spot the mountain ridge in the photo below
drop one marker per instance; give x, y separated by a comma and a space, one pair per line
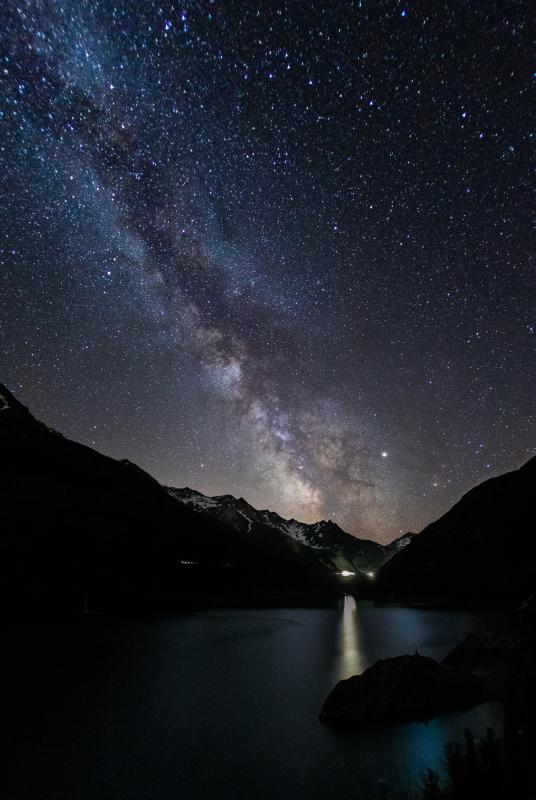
342, 549
482, 547
79, 523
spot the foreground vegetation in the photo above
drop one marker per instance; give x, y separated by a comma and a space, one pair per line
473, 768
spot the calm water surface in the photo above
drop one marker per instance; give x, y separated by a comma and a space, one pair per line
213, 705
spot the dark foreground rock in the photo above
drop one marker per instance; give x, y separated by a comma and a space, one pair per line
486, 656
520, 703
405, 688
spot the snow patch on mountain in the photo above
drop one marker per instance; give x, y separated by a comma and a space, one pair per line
296, 530
403, 542
195, 499
246, 518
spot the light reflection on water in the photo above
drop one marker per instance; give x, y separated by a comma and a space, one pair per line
350, 659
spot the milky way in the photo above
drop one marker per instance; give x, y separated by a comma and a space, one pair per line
275, 249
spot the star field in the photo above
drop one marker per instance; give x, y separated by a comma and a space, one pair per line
275, 249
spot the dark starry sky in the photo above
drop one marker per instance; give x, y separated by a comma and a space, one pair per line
277, 249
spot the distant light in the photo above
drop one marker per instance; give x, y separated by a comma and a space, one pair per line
346, 574
385, 454
370, 574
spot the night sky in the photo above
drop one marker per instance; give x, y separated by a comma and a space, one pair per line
275, 249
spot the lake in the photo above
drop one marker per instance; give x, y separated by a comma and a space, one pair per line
216, 704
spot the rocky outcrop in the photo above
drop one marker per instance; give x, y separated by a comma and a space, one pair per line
404, 688
486, 656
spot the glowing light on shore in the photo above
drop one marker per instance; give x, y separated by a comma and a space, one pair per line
345, 573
